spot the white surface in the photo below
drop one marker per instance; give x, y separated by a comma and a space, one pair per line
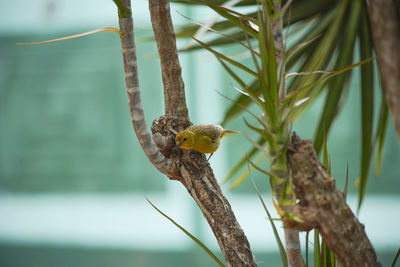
128, 221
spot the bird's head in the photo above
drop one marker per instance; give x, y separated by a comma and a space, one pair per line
182, 140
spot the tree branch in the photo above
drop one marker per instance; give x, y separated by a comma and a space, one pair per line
204, 188
385, 24
174, 93
189, 167
133, 91
324, 207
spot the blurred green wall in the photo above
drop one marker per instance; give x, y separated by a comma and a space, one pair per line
65, 129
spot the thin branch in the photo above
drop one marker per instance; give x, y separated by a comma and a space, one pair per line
133, 91
286, 6
292, 252
174, 92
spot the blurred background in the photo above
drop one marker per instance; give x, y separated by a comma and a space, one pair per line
73, 178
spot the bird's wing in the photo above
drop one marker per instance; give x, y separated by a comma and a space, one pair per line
212, 132
204, 139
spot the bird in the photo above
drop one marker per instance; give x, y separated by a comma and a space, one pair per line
204, 138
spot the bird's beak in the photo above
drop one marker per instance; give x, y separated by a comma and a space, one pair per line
178, 144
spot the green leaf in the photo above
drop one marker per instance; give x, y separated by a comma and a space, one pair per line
302, 91
242, 101
263, 132
286, 139
367, 104
317, 249
332, 258
243, 160
275, 179
306, 252
276, 235
298, 48
260, 120
313, 30
122, 10
327, 255
346, 182
254, 143
253, 53
227, 59
228, 14
305, 9
311, 85
381, 134
326, 156
294, 113
197, 241
396, 258
323, 53
232, 38
269, 10
218, 2
288, 196
271, 66
250, 93
247, 171
338, 84
265, 43
187, 31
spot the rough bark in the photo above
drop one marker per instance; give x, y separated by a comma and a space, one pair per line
293, 249
189, 167
198, 178
174, 93
204, 188
133, 91
385, 24
324, 207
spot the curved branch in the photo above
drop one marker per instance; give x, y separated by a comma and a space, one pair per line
132, 88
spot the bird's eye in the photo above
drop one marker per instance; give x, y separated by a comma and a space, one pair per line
184, 139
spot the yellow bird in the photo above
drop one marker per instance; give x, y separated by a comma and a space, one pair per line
203, 138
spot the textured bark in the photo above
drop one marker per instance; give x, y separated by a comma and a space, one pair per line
194, 171
204, 188
385, 24
326, 208
189, 167
198, 178
174, 93
133, 91
293, 247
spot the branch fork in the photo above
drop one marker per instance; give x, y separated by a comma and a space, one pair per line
189, 167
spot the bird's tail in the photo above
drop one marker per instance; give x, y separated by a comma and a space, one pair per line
226, 132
